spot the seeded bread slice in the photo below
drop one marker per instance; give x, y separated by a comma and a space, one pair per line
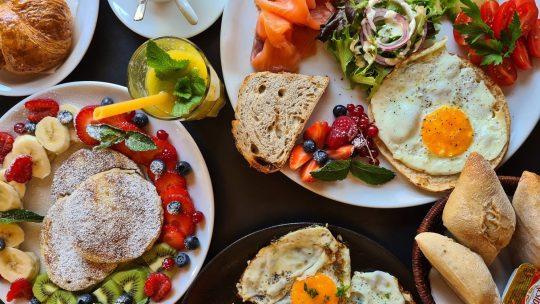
271, 112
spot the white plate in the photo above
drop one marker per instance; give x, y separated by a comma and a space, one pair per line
199, 183
164, 18
237, 32
85, 14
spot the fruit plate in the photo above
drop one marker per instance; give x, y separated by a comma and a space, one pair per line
217, 281
85, 15
199, 183
237, 33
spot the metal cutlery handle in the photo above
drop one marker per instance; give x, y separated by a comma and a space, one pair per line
139, 13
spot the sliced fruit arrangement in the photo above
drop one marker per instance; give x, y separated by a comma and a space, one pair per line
327, 152
501, 37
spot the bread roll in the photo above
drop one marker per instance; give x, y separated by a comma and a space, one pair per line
526, 241
478, 212
462, 269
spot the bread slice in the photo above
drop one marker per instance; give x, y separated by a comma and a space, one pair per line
462, 269
478, 212
440, 183
271, 112
525, 244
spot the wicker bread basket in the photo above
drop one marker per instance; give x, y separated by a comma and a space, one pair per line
433, 223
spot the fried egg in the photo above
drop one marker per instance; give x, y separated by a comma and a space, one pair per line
434, 111
306, 266
377, 287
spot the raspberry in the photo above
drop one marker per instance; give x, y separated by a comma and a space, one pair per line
20, 170
20, 289
6, 144
19, 128
41, 108
157, 286
162, 134
168, 153
343, 131
198, 217
168, 263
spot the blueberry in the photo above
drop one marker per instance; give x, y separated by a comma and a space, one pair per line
65, 117
309, 146
321, 157
86, 299
339, 110
181, 259
107, 101
30, 127
140, 120
34, 300
2, 244
157, 167
125, 298
174, 207
183, 168
192, 242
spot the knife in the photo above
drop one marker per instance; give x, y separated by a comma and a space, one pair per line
139, 13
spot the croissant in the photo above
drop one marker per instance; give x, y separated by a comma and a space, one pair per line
35, 35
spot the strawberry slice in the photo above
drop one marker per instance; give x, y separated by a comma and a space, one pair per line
181, 221
170, 182
6, 144
305, 175
41, 108
343, 131
298, 157
343, 152
318, 133
179, 195
173, 236
83, 119
20, 170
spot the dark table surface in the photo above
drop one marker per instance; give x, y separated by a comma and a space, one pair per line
245, 200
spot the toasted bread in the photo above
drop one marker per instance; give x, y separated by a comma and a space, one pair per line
440, 183
83, 164
271, 112
115, 216
65, 266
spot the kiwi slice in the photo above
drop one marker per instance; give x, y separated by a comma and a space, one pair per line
43, 287
154, 258
108, 292
62, 297
132, 282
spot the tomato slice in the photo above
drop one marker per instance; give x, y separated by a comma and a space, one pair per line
527, 12
503, 17
461, 18
533, 40
474, 57
488, 11
520, 56
504, 74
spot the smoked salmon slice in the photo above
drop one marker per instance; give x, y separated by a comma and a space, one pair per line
278, 30
275, 59
296, 11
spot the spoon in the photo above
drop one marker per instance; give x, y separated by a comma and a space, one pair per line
139, 13
188, 12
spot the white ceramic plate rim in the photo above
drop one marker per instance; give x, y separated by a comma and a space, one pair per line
150, 33
87, 13
203, 183
390, 199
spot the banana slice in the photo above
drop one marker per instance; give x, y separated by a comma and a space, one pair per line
53, 135
16, 264
73, 136
71, 108
35, 270
12, 234
20, 188
9, 198
29, 145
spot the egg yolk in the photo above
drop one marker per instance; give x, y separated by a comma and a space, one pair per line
317, 289
447, 132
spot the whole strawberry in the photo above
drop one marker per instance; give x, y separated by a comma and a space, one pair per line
343, 131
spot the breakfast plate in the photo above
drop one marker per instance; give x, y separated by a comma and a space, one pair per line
85, 15
162, 18
236, 45
37, 197
217, 281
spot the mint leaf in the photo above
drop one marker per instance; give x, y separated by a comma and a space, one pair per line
370, 174
182, 89
19, 215
137, 141
162, 62
105, 134
333, 170
198, 85
182, 108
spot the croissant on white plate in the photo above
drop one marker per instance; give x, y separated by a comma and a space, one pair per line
35, 35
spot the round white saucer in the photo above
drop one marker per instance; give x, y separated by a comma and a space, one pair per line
164, 18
